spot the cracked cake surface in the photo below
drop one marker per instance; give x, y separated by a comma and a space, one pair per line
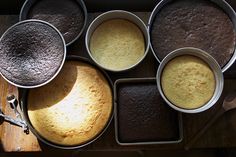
31, 53
196, 23
74, 108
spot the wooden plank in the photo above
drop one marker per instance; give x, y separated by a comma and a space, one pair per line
12, 137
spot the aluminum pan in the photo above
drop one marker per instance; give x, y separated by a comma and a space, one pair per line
221, 3
219, 78
62, 63
29, 3
23, 103
141, 80
114, 14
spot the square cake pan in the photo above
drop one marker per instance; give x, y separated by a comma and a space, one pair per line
135, 82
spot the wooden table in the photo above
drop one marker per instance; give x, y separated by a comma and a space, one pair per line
222, 134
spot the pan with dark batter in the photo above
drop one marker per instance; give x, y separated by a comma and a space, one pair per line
31, 53
67, 15
196, 23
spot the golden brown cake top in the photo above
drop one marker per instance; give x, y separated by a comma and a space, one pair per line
188, 82
117, 44
74, 108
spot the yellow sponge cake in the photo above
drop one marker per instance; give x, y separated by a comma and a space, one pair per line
74, 108
188, 82
117, 44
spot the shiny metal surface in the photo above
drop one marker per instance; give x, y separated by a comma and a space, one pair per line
213, 65
221, 3
121, 14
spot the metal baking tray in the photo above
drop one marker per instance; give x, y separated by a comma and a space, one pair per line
23, 94
137, 82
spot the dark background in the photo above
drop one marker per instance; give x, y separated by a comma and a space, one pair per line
14, 6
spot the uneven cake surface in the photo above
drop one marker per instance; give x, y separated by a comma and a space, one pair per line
196, 23
143, 116
188, 82
66, 15
117, 44
74, 108
31, 53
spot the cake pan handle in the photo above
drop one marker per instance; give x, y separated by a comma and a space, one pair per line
18, 121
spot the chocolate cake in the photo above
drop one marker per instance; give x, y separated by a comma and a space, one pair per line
31, 53
143, 116
196, 23
66, 15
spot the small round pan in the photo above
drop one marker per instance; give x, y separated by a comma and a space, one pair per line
70, 20
32, 53
117, 14
219, 78
23, 102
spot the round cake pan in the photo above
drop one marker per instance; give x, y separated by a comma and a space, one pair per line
212, 64
221, 3
13, 30
117, 14
27, 6
23, 95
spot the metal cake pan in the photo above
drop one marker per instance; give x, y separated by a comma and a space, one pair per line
23, 93
137, 81
28, 4
117, 14
19, 57
219, 78
221, 3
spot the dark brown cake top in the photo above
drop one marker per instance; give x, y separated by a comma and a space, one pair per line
143, 116
66, 15
196, 23
31, 53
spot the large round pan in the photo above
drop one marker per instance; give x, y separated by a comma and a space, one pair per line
221, 3
32, 53
23, 93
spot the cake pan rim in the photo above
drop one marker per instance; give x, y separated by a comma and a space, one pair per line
142, 80
61, 64
23, 95
210, 61
220, 3
100, 19
29, 3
